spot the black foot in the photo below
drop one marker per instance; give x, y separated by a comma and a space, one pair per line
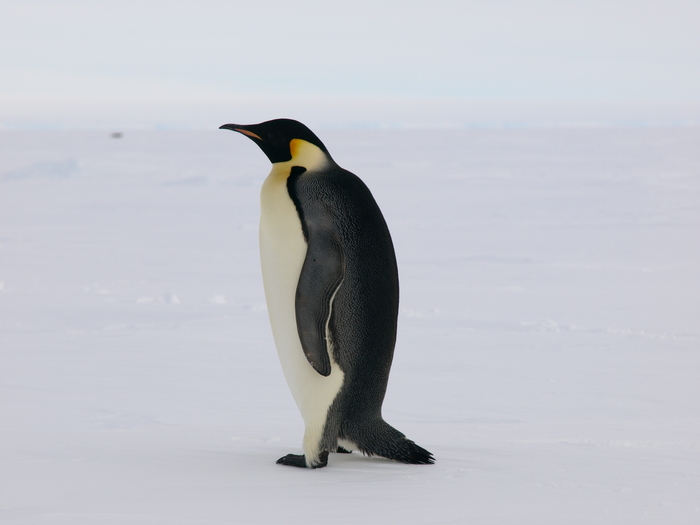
299, 460
293, 460
341, 450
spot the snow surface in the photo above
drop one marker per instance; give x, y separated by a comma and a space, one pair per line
549, 338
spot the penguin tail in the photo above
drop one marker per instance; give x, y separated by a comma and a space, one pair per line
381, 439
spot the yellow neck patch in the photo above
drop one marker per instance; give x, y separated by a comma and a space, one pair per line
306, 155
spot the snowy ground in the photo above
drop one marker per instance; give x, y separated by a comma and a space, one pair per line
549, 340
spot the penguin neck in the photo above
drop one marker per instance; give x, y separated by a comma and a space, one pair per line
275, 190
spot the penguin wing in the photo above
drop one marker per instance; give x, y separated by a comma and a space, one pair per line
321, 276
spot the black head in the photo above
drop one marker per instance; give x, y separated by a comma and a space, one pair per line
274, 136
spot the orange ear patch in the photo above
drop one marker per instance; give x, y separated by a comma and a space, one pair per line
249, 133
294, 146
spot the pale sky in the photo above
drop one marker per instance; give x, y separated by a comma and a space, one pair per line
77, 53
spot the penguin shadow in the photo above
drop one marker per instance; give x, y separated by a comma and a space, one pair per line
360, 461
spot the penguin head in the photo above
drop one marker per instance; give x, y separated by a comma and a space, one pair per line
275, 137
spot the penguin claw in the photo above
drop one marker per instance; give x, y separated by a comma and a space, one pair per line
299, 460
293, 460
341, 450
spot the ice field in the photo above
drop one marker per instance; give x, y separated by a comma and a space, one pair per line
549, 335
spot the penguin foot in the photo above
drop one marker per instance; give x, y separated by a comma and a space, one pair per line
341, 450
299, 460
293, 460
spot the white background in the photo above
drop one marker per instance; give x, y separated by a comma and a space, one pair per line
548, 336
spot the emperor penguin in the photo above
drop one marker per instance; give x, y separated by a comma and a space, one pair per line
332, 290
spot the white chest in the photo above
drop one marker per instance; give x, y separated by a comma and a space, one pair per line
282, 252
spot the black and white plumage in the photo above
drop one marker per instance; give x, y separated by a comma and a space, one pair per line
332, 290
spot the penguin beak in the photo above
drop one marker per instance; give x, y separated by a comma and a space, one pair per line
271, 146
241, 129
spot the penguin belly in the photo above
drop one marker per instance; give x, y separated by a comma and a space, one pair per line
282, 253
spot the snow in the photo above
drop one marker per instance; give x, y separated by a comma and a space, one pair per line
549, 337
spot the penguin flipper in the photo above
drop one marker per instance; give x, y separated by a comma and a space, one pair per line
321, 276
